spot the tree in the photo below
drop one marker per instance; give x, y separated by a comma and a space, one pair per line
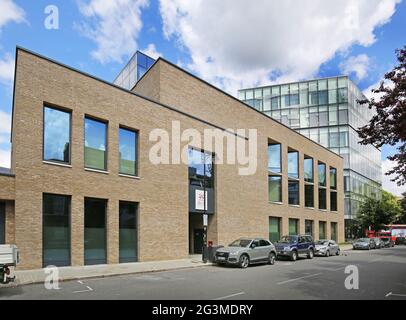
402, 217
377, 213
388, 125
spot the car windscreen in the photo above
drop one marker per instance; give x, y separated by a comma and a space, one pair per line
322, 243
287, 239
240, 243
363, 240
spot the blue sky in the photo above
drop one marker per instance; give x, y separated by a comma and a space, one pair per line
231, 44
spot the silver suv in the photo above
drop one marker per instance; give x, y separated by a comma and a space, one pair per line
246, 251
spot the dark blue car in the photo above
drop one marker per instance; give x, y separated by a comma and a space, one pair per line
295, 246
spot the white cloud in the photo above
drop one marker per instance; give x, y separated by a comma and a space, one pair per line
387, 184
10, 12
357, 65
7, 69
235, 43
152, 52
377, 96
5, 122
5, 158
113, 25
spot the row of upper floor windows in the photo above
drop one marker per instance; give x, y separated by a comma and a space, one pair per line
57, 137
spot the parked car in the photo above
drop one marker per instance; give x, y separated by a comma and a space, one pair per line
326, 248
246, 251
294, 246
400, 240
378, 243
364, 244
387, 243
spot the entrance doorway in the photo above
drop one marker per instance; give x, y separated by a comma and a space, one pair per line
195, 233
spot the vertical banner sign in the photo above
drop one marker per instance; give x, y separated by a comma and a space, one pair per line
200, 196
205, 220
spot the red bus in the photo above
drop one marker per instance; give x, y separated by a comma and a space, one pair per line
393, 231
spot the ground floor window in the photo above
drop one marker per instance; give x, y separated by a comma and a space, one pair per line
95, 231
128, 232
274, 229
334, 231
322, 230
56, 230
309, 227
2, 223
293, 227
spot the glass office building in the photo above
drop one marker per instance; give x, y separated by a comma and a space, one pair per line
327, 111
134, 70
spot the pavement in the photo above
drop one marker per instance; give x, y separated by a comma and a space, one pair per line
381, 274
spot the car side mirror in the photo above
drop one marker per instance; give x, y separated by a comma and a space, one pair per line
253, 246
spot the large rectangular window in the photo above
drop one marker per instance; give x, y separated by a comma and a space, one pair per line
293, 227
309, 195
57, 135
95, 231
322, 174
293, 164
293, 190
128, 151
274, 158
322, 230
333, 189
95, 144
274, 229
275, 188
56, 230
308, 169
309, 227
322, 198
128, 232
334, 231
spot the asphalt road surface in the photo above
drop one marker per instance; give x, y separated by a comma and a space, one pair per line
382, 275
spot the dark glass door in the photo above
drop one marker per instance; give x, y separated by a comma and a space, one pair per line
197, 241
128, 232
95, 231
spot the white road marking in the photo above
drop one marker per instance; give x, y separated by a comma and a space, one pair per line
80, 281
304, 277
395, 294
230, 296
80, 291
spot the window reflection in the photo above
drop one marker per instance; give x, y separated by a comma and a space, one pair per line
95, 144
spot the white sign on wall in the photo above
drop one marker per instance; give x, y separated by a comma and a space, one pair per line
199, 200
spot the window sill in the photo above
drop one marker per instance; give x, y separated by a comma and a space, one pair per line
294, 205
57, 164
310, 208
97, 171
129, 176
323, 210
275, 202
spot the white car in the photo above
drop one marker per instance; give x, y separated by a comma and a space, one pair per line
327, 248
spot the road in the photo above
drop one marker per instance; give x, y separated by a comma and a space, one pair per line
382, 275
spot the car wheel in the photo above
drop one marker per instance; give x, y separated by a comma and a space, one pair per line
310, 255
327, 253
293, 256
271, 258
244, 261
338, 252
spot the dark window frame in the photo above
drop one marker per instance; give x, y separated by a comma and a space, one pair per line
61, 109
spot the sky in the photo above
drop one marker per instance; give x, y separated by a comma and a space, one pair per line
230, 43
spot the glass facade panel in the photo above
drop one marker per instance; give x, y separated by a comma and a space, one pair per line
57, 126
95, 231
274, 158
128, 232
274, 229
275, 188
56, 230
128, 151
293, 227
95, 144
293, 190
